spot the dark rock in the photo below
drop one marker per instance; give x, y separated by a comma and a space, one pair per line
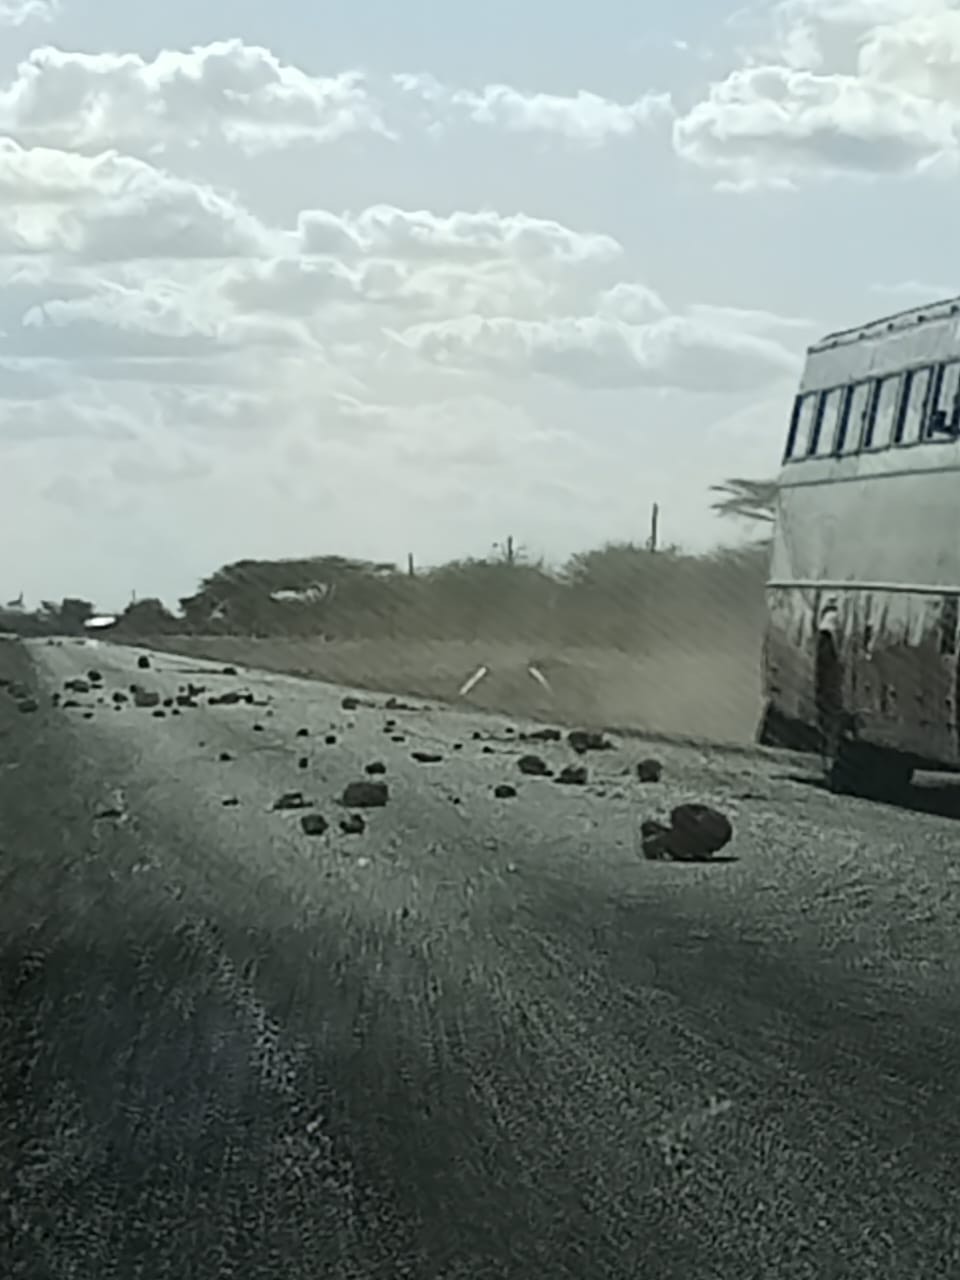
229, 699
376, 766
303, 733
28, 705
582, 740
398, 737
77, 686
365, 795
353, 825
224, 757
258, 728
426, 757
486, 751
698, 832
168, 702
143, 662
88, 715
534, 766
504, 791
291, 800
159, 714
542, 735
303, 763
230, 802
94, 677
572, 775
314, 824
228, 671
185, 700
330, 740
389, 725
649, 770
145, 698
350, 703
70, 704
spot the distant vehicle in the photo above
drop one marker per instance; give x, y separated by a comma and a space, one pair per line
863, 597
102, 622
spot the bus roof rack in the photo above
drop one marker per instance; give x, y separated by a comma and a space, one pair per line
886, 324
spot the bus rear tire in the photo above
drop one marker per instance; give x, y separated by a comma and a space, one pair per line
859, 769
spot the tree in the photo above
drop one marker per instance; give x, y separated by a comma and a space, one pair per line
747, 499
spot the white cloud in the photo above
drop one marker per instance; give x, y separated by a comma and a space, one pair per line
582, 117
226, 91
17, 13
115, 207
590, 352
863, 88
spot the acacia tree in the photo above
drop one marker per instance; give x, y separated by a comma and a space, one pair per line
746, 499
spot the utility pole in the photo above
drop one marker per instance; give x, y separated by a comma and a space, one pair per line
654, 527
511, 555
410, 569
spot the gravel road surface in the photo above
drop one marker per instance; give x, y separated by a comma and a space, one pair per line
482, 1037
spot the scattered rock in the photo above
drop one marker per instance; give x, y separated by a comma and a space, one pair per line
534, 766
376, 766
313, 824
143, 662
486, 751
398, 737
696, 832
350, 703
185, 700
224, 757
365, 795
458, 746
330, 740
394, 704
145, 697
476, 735
230, 802
426, 757
228, 671
649, 770
582, 740
258, 728
77, 686
168, 702
94, 677
159, 714
303, 733
389, 725
353, 825
229, 699
504, 791
70, 704
542, 735
28, 705
291, 800
303, 763
572, 775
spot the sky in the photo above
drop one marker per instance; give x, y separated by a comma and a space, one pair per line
385, 279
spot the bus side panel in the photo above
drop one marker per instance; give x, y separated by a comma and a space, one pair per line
790, 716
904, 673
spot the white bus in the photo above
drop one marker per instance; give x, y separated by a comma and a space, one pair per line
860, 658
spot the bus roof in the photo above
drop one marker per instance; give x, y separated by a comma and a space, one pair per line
899, 320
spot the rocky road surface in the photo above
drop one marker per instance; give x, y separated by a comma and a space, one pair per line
481, 1036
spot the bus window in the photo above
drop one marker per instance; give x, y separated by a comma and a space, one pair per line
851, 426
914, 404
943, 413
879, 422
825, 423
801, 425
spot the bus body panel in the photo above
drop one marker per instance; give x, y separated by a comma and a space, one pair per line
866, 548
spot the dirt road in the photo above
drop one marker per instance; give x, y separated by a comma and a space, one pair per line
482, 1037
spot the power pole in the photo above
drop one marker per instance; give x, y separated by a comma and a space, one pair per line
511, 555
654, 527
410, 569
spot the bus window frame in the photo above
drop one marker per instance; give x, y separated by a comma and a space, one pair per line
932, 401
790, 453
815, 441
870, 416
909, 375
842, 433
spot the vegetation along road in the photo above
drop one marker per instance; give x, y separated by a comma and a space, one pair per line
451, 1022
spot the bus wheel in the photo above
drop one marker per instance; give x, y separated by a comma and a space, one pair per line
851, 767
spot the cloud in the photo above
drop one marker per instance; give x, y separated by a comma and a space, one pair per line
857, 88
227, 92
582, 117
593, 353
17, 13
113, 207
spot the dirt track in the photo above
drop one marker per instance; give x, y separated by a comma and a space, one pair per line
702, 692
